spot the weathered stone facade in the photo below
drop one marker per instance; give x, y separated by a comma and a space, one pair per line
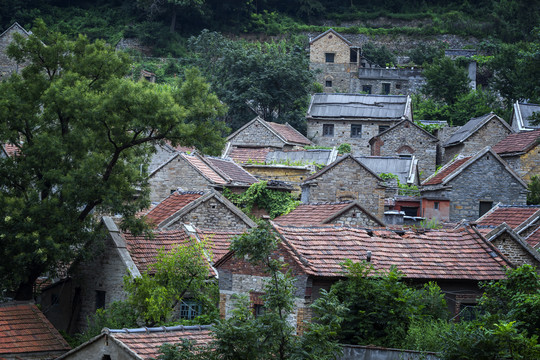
355, 217
177, 173
527, 164
342, 133
515, 252
408, 138
488, 135
9, 66
210, 214
293, 175
256, 135
347, 179
485, 180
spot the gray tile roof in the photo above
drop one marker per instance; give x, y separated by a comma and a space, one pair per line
390, 107
526, 112
402, 167
317, 156
469, 128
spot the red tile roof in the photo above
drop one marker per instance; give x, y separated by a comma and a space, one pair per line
24, 329
171, 205
511, 215
519, 142
534, 238
204, 168
144, 250
218, 241
448, 169
146, 345
11, 150
244, 155
233, 171
311, 214
289, 133
433, 255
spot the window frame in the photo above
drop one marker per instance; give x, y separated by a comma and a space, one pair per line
329, 57
328, 83
354, 131
189, 309
326, 128
385, 87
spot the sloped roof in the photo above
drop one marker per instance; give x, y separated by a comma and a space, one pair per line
218, 241
289, 133
459, 255
16, 25
534, 238
205, 169
358, 106
24, 329
446, 170
525, 113
320, 213
316, 156
170, 205
403, 167
235, 172
338, 161
248, 154
513, 215
333, 32
472, 126
518, 142
403, 123
10, 149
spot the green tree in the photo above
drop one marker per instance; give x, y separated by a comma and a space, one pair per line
172, 8
533, 197
83, 131
425, 54
379, 55
445, 80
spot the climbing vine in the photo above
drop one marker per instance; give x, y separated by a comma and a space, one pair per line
275, 202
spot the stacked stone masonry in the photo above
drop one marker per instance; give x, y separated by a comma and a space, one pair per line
257, 135
9, 66
513, 251
355, 217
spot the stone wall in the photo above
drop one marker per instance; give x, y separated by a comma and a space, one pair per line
530, 164
355, 217
348, 180
293, 175
211, 214
513, 251
485, 180
342, 133
402, 81
357, 352
178, 173
161, 155
408, 139
256, 134
9, 66
100, 349
329, 43
338, 74
488, 135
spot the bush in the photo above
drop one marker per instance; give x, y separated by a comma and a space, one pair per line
379, 55
427, 334
344, 148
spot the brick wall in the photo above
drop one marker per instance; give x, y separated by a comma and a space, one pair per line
513, 251
7, 65
258, 135
348, 180
177, 173
342, 133
488, 135
484, 180
355, 217
211, 214
407, 137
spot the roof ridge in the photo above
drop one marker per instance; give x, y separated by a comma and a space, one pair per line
156, 329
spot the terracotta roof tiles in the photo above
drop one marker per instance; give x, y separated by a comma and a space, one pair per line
218, 241
205, 169
311, 214
519, 142
170, 205
24, 329
439, 177
11, 150
534, 238
509, 214
289, 133
233, 171
320, 250
245, 154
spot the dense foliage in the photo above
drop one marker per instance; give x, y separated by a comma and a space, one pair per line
83, 132
533, 197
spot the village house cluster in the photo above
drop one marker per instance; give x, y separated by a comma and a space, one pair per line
373, 202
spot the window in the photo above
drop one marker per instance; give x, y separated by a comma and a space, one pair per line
386, 88
189, 310
328, 83
258, 310
410, 210
484, 207
398, 86
383, 128
366, 89
100, 299
328, 129
436, 205
354, 55
356, 131
329, 57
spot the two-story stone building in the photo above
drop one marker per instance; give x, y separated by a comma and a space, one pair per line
334, 119
9, 66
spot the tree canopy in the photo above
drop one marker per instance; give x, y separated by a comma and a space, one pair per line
83, 132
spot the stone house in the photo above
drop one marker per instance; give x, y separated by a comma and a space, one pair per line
408, 138
194, 172
346, 213
137, 344
25, 333
522, 152
340, 67
346, 179
209, 210
97, 281
314, 256
473, 184
521, 116
486, 130
259, 133
524, 220
334, 119
9, 66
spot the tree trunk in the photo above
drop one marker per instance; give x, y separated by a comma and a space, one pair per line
173, 20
